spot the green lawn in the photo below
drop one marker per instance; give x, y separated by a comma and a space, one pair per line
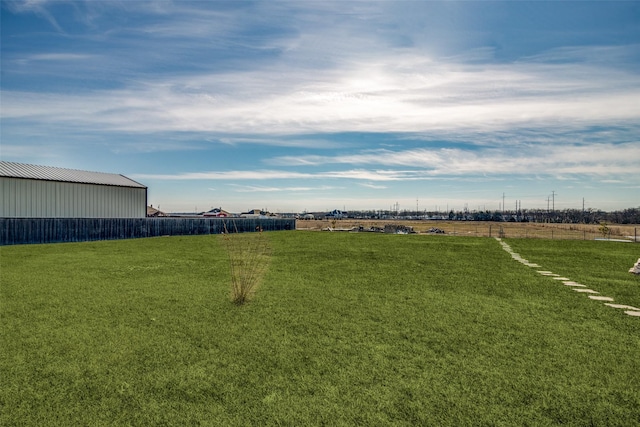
346, 329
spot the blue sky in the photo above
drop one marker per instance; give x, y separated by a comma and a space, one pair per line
303, 105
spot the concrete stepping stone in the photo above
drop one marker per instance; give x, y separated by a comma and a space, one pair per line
587, 291
631, 311
600, 298
626, 307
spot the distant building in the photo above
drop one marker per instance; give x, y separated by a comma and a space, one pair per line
31, 191
216, 213
336, 214
256, 213
153, 212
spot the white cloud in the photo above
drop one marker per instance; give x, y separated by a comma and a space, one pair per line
374, 186
422, 95
257, 175
225, 175
281, 141
592, 159
604, 162
60, 56
38, 7
265, 189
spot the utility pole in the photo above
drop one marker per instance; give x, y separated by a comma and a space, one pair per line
504, 207
553, 193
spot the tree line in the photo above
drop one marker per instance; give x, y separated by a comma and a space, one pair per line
567, 216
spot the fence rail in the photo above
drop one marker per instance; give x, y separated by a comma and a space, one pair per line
17, 231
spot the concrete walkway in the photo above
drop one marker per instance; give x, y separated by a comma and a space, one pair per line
576, 287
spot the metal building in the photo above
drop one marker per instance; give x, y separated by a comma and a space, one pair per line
30, 191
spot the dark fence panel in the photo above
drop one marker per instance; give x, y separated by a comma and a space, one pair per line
17, 231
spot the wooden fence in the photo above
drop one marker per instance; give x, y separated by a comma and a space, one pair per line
16, 231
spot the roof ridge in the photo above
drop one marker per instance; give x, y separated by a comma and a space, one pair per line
54, 173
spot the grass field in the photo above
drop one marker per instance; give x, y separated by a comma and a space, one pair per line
346, 329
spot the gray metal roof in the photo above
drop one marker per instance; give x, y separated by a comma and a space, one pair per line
49, 173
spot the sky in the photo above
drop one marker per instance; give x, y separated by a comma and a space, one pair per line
295, 106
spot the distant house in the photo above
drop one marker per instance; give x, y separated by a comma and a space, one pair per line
32, 191
153, 212
217, 213
336, 214
255, 213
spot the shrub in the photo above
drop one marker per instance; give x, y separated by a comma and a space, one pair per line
604, 229
249, 257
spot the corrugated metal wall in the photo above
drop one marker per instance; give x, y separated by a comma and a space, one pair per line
28, 198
